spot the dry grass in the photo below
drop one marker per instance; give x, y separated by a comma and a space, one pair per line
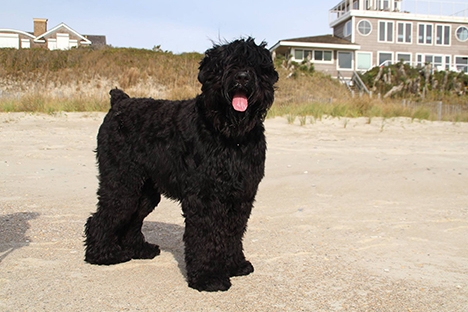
36, 80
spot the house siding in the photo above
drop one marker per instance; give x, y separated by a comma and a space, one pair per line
371, 43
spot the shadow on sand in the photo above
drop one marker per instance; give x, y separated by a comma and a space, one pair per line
13, 229
169, 238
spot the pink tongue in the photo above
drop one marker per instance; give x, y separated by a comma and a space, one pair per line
239, 102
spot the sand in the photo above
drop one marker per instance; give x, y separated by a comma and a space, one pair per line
351, 216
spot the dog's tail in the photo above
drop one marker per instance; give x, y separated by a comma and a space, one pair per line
117, 95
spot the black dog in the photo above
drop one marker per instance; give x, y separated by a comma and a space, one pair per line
208, 153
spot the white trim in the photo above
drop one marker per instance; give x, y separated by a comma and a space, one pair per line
332, 46
18, 32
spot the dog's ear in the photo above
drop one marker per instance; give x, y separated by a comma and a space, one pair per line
202, 69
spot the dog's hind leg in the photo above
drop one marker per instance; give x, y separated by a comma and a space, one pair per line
116, 207
131, 238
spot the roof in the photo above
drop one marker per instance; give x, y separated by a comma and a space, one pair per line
41, 37
96, 40
17, 31
320, 39
323, 41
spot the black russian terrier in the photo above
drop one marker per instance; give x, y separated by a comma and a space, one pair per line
208, 153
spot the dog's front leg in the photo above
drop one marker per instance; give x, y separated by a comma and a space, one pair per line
205, 241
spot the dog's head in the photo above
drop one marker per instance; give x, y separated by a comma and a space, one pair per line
238, 79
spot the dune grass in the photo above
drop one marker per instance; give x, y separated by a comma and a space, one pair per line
37, 80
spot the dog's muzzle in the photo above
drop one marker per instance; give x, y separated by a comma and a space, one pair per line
242, 86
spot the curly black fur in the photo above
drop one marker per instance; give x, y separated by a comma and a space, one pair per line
202, 152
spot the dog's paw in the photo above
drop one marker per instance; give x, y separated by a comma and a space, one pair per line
211, 284
245, 268
109, 258
147, 251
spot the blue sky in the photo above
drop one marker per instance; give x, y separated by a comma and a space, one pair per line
178, 26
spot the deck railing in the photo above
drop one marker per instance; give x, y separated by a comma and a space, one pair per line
423, 7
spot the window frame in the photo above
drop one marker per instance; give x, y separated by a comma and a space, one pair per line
445, 36
348, 27
386, 33
425, 37
370, 27
357, 60
456, 33
405, 33
338, 60
385, 52
465, 65
397, 59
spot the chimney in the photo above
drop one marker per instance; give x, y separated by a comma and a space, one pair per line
40, 26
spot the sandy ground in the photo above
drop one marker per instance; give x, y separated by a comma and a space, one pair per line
351, 216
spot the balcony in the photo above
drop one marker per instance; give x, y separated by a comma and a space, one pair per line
421, 7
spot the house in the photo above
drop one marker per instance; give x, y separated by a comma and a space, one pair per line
61, 37
369, 33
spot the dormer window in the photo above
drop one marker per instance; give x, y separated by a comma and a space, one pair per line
347, 29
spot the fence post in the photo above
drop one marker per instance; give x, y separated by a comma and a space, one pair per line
330, 100
439, 110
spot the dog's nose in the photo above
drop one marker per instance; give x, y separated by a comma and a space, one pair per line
242, 77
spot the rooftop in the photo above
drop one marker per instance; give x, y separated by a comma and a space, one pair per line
434, 8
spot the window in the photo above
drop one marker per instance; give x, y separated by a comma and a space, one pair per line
63, 41
301, 55
322, 56
404, 31
404, 58
385, 58
439, 62
461, 63
363, 60
347, 29
385, 31
314, 55
364, 27
442, 35
345, 60
448, 62
419, 60
25, 43
52, 44
383, 4
462, 33
425, 33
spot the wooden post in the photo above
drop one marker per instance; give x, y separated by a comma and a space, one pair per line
439, 111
